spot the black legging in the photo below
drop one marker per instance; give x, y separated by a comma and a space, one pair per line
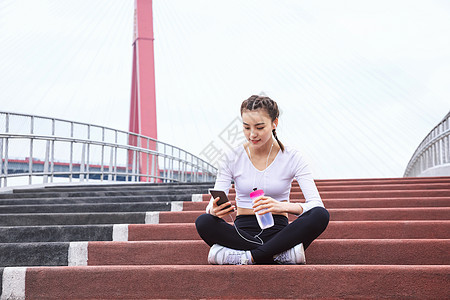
278, 238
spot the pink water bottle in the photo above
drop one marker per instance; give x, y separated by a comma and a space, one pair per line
265, 220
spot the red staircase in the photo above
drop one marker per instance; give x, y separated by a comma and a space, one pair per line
387, 238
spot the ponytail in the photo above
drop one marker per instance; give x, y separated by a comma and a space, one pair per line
279, 143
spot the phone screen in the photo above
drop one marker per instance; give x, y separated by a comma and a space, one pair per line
221, 194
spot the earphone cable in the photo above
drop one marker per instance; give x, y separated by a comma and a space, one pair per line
256, 236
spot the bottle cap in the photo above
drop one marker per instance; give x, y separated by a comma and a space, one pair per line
256, 194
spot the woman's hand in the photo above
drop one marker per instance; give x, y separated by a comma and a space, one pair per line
274, 206
220, 210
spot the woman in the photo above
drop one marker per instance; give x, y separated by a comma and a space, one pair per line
262, 163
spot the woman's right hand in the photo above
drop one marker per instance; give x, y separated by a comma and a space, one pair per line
220, 210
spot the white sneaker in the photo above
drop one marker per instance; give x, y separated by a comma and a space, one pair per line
220, 255
293, 256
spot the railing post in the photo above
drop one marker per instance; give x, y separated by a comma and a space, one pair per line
115, 158
171, 165
205, 173
5, 165
185, 166
154, 159
192, 170
88, 153
102, 168
83, 154
138, 159
186, 172
439, 152
435, 154
446, 149
147, 179
110, 169
127, 162
47, 153
197, 173
5, 181
133, 168
30, 162
165, 166
181, 168
71, 153
52, 164
1, 162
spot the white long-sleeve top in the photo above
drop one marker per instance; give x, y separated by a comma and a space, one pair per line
275, 180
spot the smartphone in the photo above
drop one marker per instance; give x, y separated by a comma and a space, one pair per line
221, 194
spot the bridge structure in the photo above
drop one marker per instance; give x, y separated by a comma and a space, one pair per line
49, 148
432, 156
143, 96
46, 150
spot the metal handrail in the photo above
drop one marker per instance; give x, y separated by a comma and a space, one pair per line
434, 150
124, 161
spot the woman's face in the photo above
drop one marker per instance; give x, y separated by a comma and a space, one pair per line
258, 127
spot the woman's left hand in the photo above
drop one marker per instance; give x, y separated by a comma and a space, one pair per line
270, 204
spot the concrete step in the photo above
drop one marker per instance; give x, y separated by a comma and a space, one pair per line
188, 252
74, 219
396, 180
335, 230
375, 214
333, 192
107, 185
334, 202
323, 186
373, 187
115, 186
388, 238
138, 185
81, 208
386, 186
370, 187
81, 194
87, 200
337, 214
186, 231
232, 282
343, 251
355, 203
64, 233
34, 254
319, 182
295, 187
127, 205
363, 194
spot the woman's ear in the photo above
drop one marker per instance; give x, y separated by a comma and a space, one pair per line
275, 124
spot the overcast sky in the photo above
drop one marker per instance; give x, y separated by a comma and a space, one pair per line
359, 83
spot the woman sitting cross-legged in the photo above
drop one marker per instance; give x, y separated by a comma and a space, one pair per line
262, 163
